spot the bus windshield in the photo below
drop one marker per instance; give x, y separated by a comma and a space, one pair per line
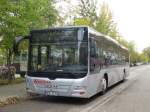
59, 57
59, 50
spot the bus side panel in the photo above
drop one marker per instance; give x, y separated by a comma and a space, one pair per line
94, 82
114, 76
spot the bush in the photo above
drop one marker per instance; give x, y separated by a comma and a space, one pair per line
7, 72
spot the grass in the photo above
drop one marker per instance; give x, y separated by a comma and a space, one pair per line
16, 81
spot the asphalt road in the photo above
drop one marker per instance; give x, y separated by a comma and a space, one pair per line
131, 96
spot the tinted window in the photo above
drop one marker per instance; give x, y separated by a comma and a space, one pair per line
34, 62
59, 35
94, 56
60, 57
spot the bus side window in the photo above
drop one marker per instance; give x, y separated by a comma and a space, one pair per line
92, 48
94, 56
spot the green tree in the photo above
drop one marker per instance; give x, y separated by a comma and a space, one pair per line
18, 17
122, 41
146, 52
82, 21
143, 58
86, 10
105, 23
134, 55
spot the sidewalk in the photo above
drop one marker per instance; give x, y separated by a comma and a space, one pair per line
9, 94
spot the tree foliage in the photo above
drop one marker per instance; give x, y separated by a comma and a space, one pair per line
143, 58
146, 52
133, 52
123, 41
82, 21
18, 17
102, 22
105, 23
135, 56
87, 10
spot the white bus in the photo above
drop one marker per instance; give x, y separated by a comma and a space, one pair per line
74, 61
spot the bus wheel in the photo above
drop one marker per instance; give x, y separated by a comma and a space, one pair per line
104, 85
124, 75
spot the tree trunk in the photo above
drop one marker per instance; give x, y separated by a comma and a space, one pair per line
9, 55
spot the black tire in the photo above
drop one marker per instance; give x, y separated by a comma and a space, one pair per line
124, 75
104, 85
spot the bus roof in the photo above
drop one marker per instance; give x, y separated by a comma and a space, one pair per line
91, 30
60, 27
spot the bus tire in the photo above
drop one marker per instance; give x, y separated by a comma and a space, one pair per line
124, 75
104, 85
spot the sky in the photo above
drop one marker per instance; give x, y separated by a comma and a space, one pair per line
133, 20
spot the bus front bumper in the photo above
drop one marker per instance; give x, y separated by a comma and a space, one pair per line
44, 86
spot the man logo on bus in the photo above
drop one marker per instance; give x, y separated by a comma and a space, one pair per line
41, 82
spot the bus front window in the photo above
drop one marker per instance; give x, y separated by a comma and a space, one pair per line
34, 61
61, 57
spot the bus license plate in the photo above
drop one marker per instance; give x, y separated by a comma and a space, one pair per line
51, 93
